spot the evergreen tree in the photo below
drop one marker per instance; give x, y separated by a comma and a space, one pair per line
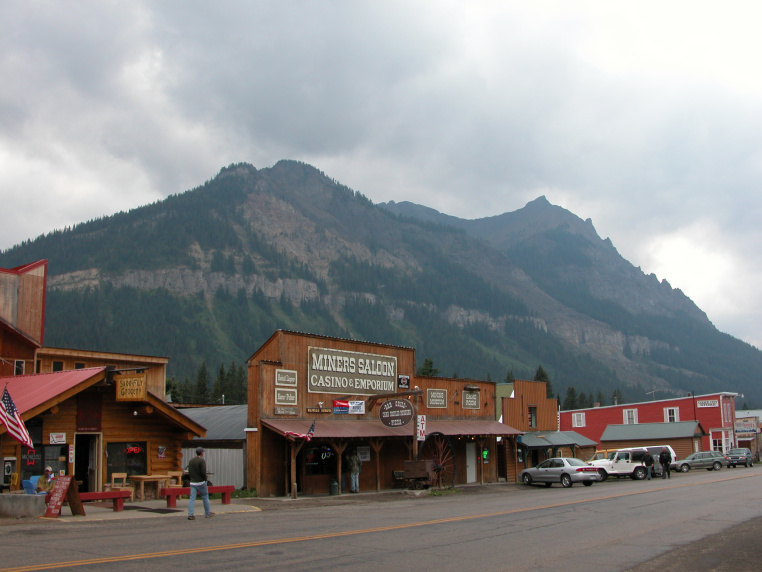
616, 397
570, 401
220, 384
509, 376
427, 369
600, 399
201, 393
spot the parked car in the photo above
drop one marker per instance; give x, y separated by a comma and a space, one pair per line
629, 462
709, 460
564, 470
741, 457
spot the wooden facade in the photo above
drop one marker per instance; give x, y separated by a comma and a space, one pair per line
279, 397
81, 429
22, 316
58, 359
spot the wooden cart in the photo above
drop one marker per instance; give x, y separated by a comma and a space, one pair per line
419, 474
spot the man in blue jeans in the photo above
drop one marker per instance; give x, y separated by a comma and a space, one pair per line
197, 470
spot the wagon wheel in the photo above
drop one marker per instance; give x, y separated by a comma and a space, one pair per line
438, 448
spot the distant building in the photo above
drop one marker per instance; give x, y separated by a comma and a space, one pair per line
714, 411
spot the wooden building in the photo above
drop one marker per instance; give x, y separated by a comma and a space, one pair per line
91, 423
22, 315
529, 409
342, 389
49, 360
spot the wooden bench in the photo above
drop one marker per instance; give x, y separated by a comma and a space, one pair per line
399, 478
173, 492
117, 496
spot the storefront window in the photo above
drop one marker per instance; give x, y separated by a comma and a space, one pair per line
130, 458
320, 460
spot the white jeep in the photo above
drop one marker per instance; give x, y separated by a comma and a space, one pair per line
629, 463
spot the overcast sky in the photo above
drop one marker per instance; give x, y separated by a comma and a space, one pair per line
643, 116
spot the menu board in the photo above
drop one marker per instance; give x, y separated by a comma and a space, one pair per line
64, 489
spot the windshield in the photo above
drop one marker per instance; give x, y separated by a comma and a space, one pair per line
737, 452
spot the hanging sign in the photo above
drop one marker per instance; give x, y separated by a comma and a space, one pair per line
421, 432
130, 386
396, 412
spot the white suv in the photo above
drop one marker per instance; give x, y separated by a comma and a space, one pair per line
629, 462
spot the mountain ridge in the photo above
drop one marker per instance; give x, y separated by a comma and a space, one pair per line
254, 250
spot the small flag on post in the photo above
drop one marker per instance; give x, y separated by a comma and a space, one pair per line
10, 417
306, 436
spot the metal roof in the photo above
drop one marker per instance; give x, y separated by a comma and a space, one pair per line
31, 391
223, 422
645, 431
366, 428
543, 439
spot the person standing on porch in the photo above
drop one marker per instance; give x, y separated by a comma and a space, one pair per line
354, 471
198, 486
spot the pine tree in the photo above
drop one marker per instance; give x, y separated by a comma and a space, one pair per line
570, 401
201, 393
541, 375
509, 376
427, 369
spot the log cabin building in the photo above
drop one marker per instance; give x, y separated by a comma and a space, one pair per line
89, 414
344, 394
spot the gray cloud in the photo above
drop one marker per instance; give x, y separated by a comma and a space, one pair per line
648, 126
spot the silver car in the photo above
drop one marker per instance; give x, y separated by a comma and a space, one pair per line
741, 457
564, 470
709, 460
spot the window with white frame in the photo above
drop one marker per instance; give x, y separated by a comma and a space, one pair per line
671, 415
629, 416
578, 419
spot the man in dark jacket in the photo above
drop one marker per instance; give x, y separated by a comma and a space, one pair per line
197, 470
665, 458
648, 461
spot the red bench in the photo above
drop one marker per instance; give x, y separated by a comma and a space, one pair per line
117, 496
173, 492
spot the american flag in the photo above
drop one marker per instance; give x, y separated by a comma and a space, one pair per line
306, 436
10, 417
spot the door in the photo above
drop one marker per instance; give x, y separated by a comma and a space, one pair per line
470, 462
87, 466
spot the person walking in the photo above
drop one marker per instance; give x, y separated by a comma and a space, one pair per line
354, 472
665, 458
648, 461
198, 486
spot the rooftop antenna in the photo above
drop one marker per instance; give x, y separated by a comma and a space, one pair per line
653, 393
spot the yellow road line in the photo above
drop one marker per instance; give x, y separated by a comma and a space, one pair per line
200, 550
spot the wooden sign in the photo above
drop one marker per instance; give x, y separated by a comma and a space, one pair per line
64, 489
130, 386
396, 412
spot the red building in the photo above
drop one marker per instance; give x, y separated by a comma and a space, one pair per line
715, 412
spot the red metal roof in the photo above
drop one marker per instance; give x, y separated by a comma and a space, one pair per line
367, 428
30, 391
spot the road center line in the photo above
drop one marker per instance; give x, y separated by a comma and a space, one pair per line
254, 544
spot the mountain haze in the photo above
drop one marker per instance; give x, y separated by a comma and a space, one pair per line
208, 275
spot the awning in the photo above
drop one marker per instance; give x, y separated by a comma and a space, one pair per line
545, 439
369, 428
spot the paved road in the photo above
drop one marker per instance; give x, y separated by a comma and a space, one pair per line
617, 525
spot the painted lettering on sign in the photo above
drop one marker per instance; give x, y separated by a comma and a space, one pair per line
354, 373
285, 377
708, 403
396, 412
436, 398
470, 400
285, 396
130, 387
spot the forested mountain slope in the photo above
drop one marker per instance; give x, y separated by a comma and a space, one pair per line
209, 274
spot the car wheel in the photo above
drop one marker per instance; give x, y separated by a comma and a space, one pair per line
527, 479
685, 468
639, 473
566, 481
717, 466
751, 464
587, 483
604, 475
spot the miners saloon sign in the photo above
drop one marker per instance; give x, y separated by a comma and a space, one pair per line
350, 373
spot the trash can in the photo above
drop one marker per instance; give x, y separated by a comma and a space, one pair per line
334, 490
